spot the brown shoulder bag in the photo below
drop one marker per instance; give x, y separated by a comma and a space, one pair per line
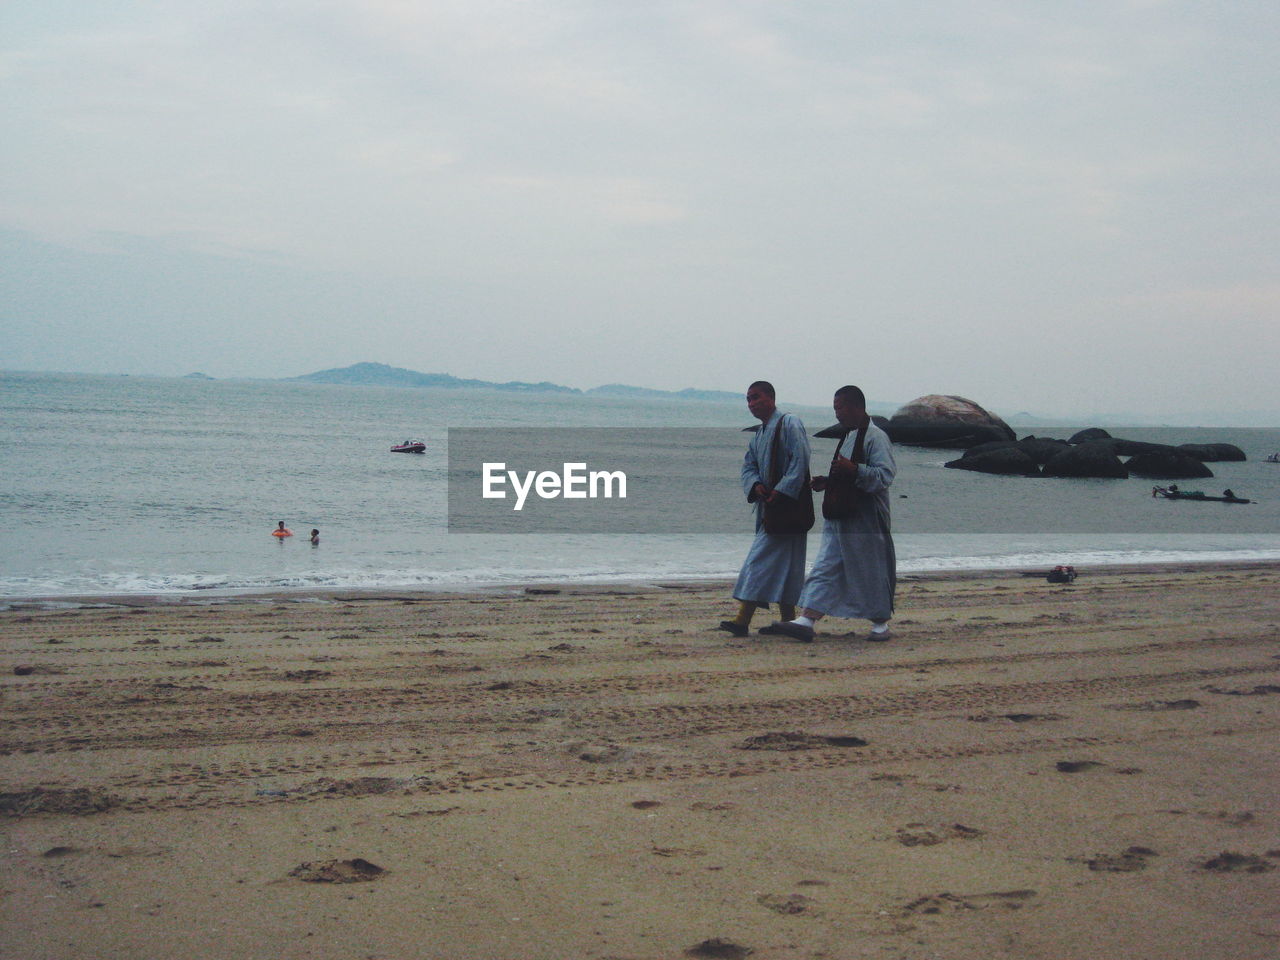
786, 515
842, 498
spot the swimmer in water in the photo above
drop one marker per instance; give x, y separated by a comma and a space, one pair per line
281, 532
315, 537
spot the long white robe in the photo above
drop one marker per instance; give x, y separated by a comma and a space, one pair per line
855, 573
774, 569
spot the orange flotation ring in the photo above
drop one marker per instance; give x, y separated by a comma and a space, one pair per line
282, 533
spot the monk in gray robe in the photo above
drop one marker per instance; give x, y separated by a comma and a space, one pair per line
774, 569
855, 573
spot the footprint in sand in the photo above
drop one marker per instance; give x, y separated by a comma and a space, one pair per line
1158, 705
798, 741
1132, 860
1260, 690
79, 801
1014, 717
601, 753
677, 852
717, 949
1231, 862
54, 852
1077, 766
355, 870
792, 905
305, 676
920, 835
357, 787
948, 902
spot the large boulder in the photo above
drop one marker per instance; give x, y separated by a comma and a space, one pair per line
1132, 448
946, 421
1092, 459
1042, 449
1089, 433
1213, 452
990, 445
1006, 460
1170, 464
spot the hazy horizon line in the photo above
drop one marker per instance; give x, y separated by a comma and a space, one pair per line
1027, 418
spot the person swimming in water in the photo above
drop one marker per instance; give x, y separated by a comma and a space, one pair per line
315, 537
281, 531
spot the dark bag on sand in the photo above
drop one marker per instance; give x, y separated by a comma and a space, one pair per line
786, 515
842, 499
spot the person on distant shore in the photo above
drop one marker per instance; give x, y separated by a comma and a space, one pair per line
855, 573
774, 569
315, 537
281, 532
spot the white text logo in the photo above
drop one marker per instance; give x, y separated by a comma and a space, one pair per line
574, 483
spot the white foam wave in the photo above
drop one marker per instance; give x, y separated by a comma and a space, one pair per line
686, 568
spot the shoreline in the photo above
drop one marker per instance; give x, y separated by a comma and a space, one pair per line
215, 597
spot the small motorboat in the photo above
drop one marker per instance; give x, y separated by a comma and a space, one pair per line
410, 446
1173, 493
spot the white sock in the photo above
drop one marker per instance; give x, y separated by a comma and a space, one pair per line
803, 621
880, 627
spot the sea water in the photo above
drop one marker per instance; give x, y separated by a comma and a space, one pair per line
139, 485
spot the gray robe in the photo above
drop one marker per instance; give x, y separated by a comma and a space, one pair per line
774, 569
855, 573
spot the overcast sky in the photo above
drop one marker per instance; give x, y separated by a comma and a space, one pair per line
1063, 208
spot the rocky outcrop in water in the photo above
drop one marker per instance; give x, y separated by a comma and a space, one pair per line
1092, 459
1168, 464
1006, 460
1089, 433
951, 422
1022, 457
991, 446
1214, 452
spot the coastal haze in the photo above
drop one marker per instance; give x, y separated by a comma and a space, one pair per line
1064, 211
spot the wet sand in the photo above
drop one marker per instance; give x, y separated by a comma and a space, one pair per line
1026, 770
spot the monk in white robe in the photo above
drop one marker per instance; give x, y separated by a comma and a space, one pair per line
774, 569
855, 572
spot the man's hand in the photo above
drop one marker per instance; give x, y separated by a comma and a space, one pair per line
844, 467
818, 483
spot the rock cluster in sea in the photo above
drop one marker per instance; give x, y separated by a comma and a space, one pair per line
991, 446
1095, 453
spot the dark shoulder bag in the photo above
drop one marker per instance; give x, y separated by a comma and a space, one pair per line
842, 498
786, 515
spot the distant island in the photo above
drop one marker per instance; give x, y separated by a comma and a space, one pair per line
384, 375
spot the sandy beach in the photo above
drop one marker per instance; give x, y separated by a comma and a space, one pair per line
1026, 770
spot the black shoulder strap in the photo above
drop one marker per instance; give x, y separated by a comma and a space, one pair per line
859, 444
775, 468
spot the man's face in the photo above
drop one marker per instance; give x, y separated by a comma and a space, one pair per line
848, 413
760, 404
